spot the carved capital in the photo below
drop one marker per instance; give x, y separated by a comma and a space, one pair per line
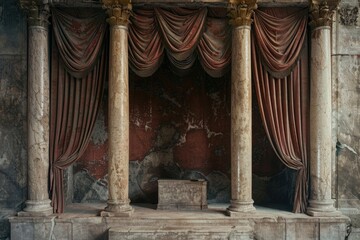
119, 11
38, 13
241, 12
321, 12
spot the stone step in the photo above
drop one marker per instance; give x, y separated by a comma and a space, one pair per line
181, 233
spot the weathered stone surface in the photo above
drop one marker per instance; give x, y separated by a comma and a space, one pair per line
346, 78
89, 189
46, 229
182, 194
302, 231
148, 223
12, 29
178, 233
269, 230
12, 131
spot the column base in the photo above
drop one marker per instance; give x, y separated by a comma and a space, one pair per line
323, 208
122, 209
237, 208
36, 208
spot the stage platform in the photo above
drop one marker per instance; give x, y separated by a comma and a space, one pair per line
82, 222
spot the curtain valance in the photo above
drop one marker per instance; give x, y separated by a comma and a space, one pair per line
279, 40
184, 34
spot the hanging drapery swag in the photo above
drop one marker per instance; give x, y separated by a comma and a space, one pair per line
280, 73
78, 72
184, 34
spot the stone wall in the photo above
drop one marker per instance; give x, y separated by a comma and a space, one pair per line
13, 94
346, 105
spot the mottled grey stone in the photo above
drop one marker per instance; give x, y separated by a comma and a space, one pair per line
181, 233
12, 28
13, 165
268, 230
302, 230
332, 231
89, 231
88, 189
219, 187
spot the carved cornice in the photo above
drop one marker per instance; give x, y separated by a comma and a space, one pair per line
241, 12
119, 11
321, 12
38, 13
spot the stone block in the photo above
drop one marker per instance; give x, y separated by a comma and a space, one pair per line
332, 231
269, 230
355, 234
302, 230
24, 231
41, 230
349, 40
88, 231
182, 194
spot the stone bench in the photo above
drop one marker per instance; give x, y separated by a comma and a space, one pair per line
182, 194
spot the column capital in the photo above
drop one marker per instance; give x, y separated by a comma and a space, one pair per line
241, 12
119, 11
38, 13
321, 12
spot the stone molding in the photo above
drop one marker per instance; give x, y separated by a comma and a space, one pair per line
321, 12
38, 13
119, 11
241, 12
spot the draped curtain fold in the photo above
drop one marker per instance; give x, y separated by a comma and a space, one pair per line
280, 73
78, 71
184, 35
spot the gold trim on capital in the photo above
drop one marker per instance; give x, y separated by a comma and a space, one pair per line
38, 13
321, 12
119, 11
241, 12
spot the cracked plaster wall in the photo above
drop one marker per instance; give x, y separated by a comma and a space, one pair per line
346, 106
13, 92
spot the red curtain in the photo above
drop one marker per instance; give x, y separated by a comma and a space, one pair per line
78, 71
186, 35
280, 73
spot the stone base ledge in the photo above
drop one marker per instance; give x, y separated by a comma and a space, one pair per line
182, 232
181, 207
116, 214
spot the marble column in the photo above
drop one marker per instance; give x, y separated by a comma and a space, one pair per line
118, 153
320, 202
241, 119
38, 202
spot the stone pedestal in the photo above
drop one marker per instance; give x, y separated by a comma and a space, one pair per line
38, 202
118, 152
241, 119
182, 194
320, 202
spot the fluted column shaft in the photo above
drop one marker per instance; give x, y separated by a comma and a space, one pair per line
38, 202
320, 202
118, 152
241, 113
